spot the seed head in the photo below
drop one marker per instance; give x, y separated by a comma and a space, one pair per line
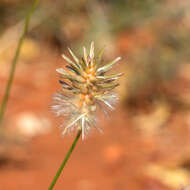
85, 87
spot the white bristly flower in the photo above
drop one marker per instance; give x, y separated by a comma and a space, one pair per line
85, 87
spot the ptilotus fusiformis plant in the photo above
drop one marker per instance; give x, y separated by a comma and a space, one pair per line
85, 88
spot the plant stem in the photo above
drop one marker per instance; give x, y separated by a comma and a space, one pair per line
15, 59
65, 160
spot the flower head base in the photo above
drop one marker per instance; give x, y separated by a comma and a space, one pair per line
85, 87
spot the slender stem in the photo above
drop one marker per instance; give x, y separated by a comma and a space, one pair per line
15, 59
65, 160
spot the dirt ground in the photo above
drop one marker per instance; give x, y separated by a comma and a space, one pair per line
117, 160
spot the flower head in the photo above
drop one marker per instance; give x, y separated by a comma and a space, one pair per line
85, 87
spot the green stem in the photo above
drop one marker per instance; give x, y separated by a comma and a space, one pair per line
15, 59
65, 161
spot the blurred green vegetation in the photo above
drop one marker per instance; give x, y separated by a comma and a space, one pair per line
157, 60
118, 15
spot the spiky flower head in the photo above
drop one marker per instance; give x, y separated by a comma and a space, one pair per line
85, 87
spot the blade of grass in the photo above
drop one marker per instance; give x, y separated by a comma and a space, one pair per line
15, 59
65, 160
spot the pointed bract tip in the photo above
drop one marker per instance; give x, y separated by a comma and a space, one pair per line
92, 50
118, 58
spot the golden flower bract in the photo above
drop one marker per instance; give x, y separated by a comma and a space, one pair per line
85, 87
